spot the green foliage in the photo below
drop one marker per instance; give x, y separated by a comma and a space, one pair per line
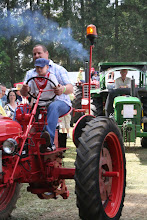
121, 28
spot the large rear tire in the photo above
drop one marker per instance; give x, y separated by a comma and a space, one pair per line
8, 199
97, 107
100, 171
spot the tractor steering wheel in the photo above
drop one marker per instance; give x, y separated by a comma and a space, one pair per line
40, 77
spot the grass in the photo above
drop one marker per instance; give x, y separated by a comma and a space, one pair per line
29, 206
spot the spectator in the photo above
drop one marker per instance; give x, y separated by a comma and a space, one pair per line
4, 96
95, 77
11, 104
2, 103
80, 75
92, 71
65, 124
61, 105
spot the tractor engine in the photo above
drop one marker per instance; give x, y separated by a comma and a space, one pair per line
127, 113
8, 128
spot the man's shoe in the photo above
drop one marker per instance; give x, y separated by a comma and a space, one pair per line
51, 148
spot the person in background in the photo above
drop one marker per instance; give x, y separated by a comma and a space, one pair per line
65, 124
11, 104
62, 104
95, 77
92, 71
123, 81
80, 75
2, 103
4, 96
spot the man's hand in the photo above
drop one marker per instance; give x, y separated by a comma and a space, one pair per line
59, 89
24, 90
66, 89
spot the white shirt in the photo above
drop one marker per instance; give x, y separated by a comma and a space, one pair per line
119, 82
49, 86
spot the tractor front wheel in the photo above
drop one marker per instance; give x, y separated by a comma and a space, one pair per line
100, 171
8, 199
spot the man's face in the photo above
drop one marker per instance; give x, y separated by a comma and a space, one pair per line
39, 53
3, 88
123, 74
41, 70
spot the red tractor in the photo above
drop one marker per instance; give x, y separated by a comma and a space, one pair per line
99, 173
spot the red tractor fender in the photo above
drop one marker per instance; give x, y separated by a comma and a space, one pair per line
9, 128
81, 123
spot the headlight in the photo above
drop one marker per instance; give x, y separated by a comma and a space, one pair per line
9, 145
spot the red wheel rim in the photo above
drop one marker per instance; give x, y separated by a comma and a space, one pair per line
111, 174
6, 195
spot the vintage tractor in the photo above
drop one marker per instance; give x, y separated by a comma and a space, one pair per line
99, 173
130, 104
81, 94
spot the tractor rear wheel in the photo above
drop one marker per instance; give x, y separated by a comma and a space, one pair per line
100, 171
8, 198
97, 106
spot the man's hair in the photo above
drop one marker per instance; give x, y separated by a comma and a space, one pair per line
40, 45
123, 70
2, 85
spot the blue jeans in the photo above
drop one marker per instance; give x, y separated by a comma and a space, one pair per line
54, 111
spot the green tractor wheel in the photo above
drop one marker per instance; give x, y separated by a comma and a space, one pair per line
100, 171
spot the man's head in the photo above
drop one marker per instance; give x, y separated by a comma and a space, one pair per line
0, 93
123, 73
42, 66
3, 89
92, 70
81, 69
40, 51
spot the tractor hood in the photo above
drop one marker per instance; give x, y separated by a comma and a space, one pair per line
9, 128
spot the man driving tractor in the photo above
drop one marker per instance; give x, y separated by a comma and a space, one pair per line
62, 104
121, 82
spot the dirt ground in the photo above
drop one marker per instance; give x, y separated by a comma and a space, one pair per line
135, 207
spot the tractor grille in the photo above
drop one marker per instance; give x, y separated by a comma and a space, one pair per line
85, 89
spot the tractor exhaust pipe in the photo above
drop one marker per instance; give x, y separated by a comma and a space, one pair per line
132, 87
86, 72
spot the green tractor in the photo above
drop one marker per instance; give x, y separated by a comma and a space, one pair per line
129, 104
